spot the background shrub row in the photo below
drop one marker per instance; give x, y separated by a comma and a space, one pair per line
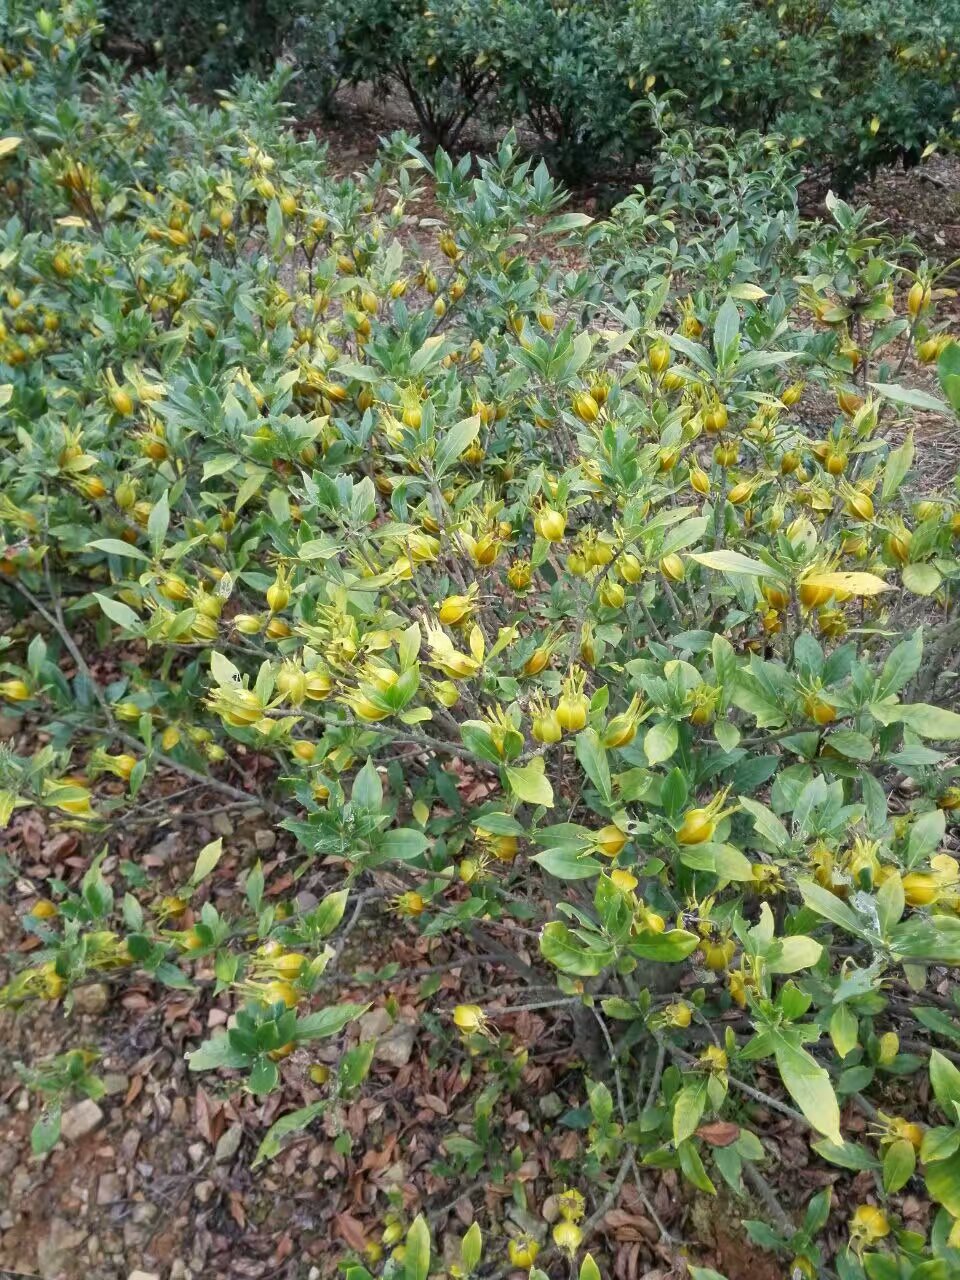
855, 83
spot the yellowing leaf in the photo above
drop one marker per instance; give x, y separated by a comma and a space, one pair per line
748, 292
809, 1086
854, 584
9, 145
731, 562
207, 859
529, 783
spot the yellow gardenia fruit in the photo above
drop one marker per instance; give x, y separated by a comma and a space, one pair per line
659, 355
672, 567
630, 567
121, 401
278, 593
455, 608
717, 955
14, 690
277, 992
319, 685
624, 880
612, 594
869, 1223
622, 729
523, 1252
699, 481
697, 827
888, 1048
520, 575
469, 1018
679, 1014
574, 704
567, 1237
550, 524
908, 1130
571, 1204
610, 840
920, 889
238, 707
585, 407
819, 710
917, 298
544, 723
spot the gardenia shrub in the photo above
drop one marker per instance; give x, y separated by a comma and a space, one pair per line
602, 603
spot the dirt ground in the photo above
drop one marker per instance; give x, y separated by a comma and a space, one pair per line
156, 1179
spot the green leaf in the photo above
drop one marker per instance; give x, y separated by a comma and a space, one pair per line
471, 1247
731, 562
367, 793
929, 721
945, 1081
530, 783
450, 446
846, 1155
402, 844
327, 1022
325, 917
355, 1066
890, 902
726, 734
45, 1133
693, 1169
207, 859
948, 370
902, 665
117, 547
809, 1086
788, 955
943, 1183
293, 1122
566, 864
688, 1108
921, 579
592, 755
926, 836
661, 742
566, 222
911, 397
670, 947
589, 1269
569, 954
899, 1164
844, 1029
159, 521
826, 904
898, 463
264, 1076
767, 823
938, 1021
617, 1007
217, 1052
417, 1261
726, 332
855, 746
939, 1143
118, 612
